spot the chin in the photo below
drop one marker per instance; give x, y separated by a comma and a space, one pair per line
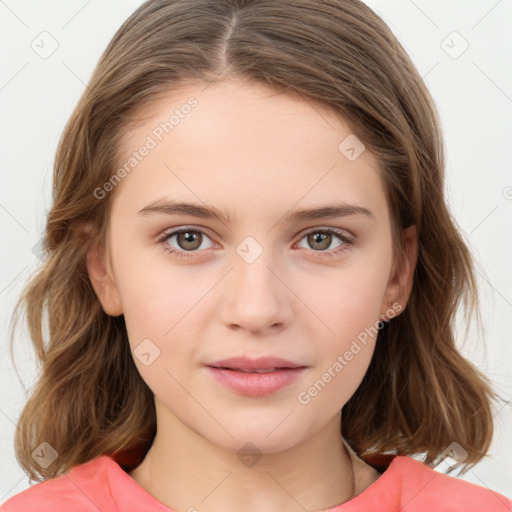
258, 439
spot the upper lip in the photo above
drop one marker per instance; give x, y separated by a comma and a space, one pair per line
259, 363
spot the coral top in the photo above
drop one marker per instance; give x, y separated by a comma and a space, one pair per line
406, 485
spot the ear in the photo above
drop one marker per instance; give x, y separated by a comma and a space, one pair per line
402, 274
102, 279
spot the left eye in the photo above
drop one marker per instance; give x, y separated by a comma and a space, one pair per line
189, 240
323, 237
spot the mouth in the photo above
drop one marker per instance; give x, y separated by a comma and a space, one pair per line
256, 382
256, 370
261, 364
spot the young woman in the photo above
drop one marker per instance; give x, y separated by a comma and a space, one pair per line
251, 277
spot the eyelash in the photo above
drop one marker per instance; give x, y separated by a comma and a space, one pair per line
347, 241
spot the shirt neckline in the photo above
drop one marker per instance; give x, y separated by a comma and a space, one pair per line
119, 480
393, 466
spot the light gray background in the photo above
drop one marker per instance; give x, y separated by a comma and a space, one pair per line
473, 92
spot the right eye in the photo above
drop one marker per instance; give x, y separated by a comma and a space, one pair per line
188, 240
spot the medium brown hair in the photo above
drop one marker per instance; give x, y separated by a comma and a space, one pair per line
419, 394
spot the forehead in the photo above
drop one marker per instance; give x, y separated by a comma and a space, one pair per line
240, 145
235, 110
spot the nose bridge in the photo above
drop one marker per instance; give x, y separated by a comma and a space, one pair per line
253, 266
258, 296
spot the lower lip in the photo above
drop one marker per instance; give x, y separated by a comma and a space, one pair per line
256, 384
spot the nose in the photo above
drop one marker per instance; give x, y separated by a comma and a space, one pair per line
257, 298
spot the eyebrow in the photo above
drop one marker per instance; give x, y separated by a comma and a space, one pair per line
170, 207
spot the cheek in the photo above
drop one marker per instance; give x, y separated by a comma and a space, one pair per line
349, 314
161, 311
346, 300
155, 292
164, 311
166, 308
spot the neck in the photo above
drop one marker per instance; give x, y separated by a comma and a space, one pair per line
184, 470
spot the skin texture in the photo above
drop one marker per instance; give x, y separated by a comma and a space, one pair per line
256, 155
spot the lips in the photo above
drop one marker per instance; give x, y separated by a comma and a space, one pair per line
256, 382
265, 364
259, 370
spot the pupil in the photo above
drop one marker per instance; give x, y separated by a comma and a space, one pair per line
319, 238
189, 237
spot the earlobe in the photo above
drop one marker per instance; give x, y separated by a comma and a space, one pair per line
103, 281
402, 276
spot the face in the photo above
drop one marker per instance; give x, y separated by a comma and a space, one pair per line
259, 279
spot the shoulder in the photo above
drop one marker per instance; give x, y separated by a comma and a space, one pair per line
425, 489
84, 489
